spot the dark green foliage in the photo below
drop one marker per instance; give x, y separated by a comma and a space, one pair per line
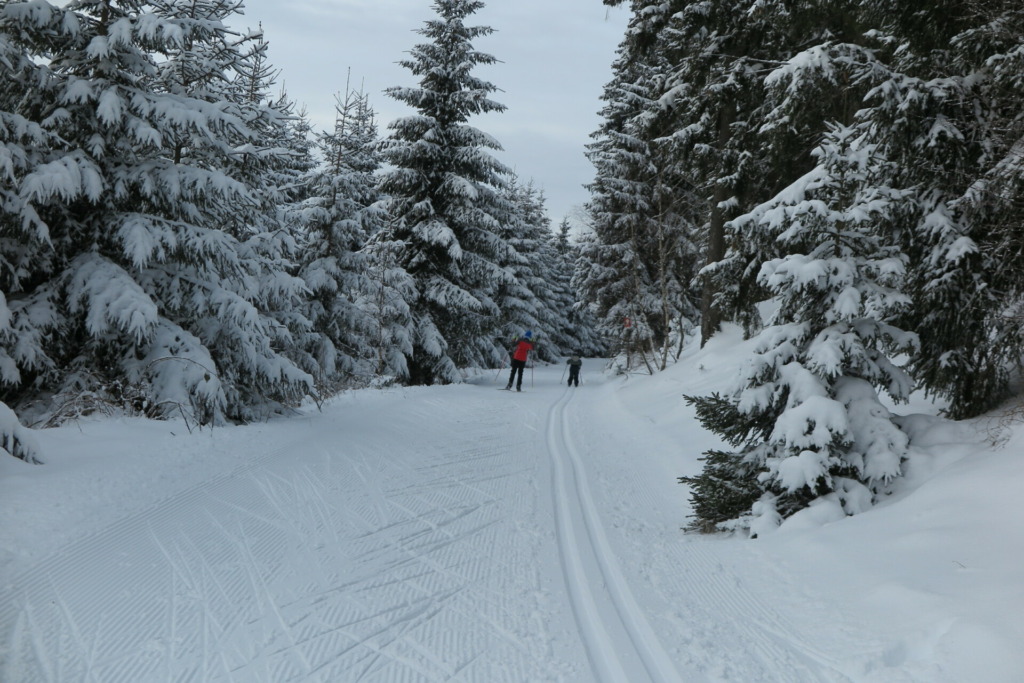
726, 487
721, 416
638, 270
950, 120
878, 142
724, 490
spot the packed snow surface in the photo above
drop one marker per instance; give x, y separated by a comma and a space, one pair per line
461, 533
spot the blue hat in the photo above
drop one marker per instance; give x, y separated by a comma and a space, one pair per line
528, 334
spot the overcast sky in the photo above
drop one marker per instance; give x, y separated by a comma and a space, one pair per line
555, 55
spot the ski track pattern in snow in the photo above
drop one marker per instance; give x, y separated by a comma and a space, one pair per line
620, 643
382, 565
469, 536
715, 625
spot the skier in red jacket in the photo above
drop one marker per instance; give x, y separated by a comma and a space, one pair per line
519, 356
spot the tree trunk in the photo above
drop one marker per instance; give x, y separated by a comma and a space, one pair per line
710, 315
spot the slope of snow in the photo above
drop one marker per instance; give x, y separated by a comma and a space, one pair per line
464, 533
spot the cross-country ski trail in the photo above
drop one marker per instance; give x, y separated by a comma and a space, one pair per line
421, 534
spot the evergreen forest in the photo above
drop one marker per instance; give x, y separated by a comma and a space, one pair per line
842, 181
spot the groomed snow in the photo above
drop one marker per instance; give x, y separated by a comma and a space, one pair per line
469, 534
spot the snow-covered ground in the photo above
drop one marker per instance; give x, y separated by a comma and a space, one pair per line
464, 533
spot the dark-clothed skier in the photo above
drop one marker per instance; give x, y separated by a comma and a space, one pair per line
574, 369
519, 356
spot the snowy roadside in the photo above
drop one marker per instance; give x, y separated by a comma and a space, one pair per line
101, 470
924, 587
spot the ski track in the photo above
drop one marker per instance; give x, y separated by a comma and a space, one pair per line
237, 580
482, 546
620, 643
722, 628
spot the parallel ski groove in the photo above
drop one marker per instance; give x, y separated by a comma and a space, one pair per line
603, 658
659, 665
717, 609
581, 533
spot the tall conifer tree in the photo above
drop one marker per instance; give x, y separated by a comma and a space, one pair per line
578, 314
530, 302
640, 266
143, 155
445, 199
338, 217
948, 117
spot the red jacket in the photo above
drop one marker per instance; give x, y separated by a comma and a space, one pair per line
523, 349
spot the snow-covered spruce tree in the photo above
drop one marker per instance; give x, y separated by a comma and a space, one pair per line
272, 164
362, 294
330, 217
590, 341
940, 108
541, 251
582, 324
948, 117
445, 200
353, 341
16, 439
713, 55
145, 162
24, 237
518, 306
614, 276
643, 258
805, 418
530, 302
561, 281
559, 295
563, 295
713, 119
389, 304
274, 238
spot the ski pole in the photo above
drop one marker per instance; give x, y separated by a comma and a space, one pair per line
563, 372
531, 373
502, 367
